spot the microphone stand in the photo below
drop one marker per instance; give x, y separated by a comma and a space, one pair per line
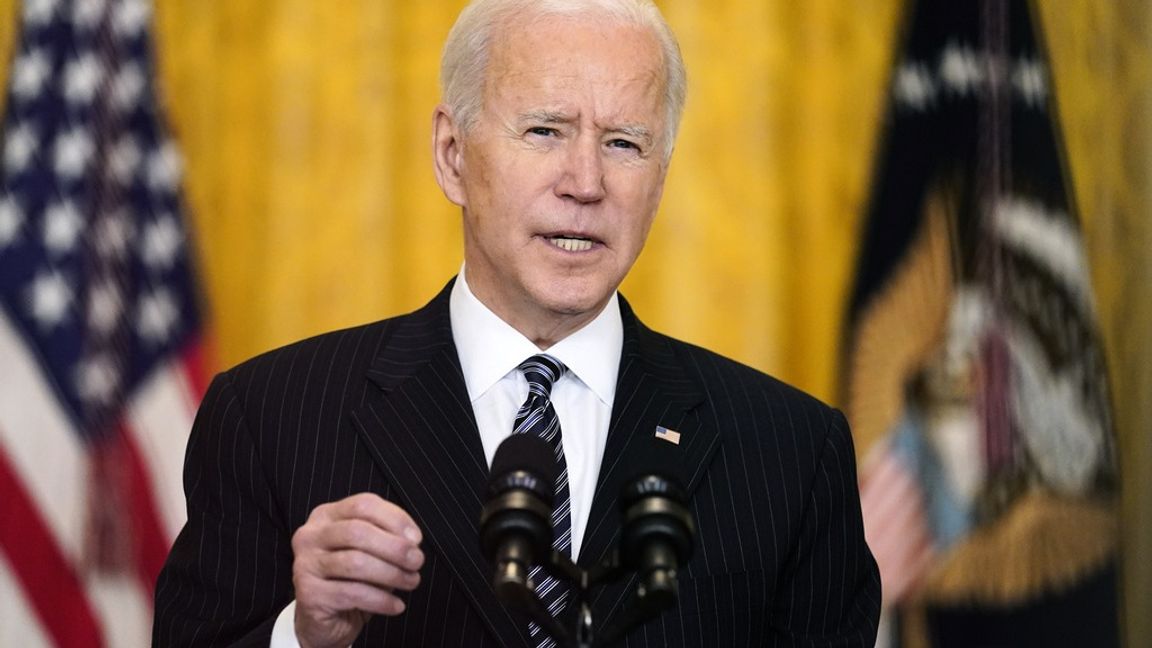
656, 592
657, 536
580, 581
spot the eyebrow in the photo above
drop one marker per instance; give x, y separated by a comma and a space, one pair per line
546, 117
636, 131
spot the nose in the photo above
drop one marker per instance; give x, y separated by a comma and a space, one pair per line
583, 178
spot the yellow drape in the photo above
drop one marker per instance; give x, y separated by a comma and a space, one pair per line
304, 124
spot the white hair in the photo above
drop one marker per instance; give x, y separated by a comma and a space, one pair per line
467, 50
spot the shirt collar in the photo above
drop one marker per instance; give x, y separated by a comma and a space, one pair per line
489, 348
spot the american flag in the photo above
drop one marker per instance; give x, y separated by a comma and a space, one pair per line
100, 331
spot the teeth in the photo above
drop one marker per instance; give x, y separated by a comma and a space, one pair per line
571, 244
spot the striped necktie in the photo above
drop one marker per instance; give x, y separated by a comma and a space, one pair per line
537, 416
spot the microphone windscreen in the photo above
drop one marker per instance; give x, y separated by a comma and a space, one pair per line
528, 453
657, 475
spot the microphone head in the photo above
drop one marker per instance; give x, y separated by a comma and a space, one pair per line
517, 517
525, 461
655, 511
656, 478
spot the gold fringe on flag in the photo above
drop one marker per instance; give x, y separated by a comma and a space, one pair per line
1044, 543
900, 330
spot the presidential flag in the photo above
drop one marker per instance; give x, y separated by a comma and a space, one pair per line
100, 329
975, 376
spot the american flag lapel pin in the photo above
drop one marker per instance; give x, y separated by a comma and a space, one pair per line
664, 434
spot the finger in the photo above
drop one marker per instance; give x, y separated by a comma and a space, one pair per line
364, 568
366, 537
349, 595
377, 510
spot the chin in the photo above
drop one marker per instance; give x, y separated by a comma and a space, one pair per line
574, 300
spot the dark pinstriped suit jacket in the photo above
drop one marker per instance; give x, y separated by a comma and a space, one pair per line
780, 559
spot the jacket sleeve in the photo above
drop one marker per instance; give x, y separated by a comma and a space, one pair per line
230, 570
830, 593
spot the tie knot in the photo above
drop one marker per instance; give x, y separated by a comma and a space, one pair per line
542, 371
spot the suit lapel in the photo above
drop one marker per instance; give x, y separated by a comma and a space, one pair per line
652, 390
422, 432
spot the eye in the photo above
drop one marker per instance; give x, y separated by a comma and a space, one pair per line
623, 144
542, 131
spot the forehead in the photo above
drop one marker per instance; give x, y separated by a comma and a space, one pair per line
557, 59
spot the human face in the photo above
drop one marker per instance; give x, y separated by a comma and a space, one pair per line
561, 173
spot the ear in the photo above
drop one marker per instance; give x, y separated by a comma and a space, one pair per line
448, 154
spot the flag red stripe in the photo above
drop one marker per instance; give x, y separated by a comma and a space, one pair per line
895, 525
148, 530
194, 361
52, 587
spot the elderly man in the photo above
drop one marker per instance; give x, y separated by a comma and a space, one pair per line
334, 486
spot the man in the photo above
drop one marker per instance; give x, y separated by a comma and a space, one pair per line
334, 486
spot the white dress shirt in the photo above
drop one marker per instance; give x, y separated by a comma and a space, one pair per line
490, 353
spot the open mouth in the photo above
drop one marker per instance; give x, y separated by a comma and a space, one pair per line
571, 243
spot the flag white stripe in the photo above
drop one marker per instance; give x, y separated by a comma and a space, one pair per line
49, 459
46, 453
159, 420
19, 625
122, 610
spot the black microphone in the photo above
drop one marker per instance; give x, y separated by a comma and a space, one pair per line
657, 538
516, 523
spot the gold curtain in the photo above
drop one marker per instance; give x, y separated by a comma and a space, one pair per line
305, 128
